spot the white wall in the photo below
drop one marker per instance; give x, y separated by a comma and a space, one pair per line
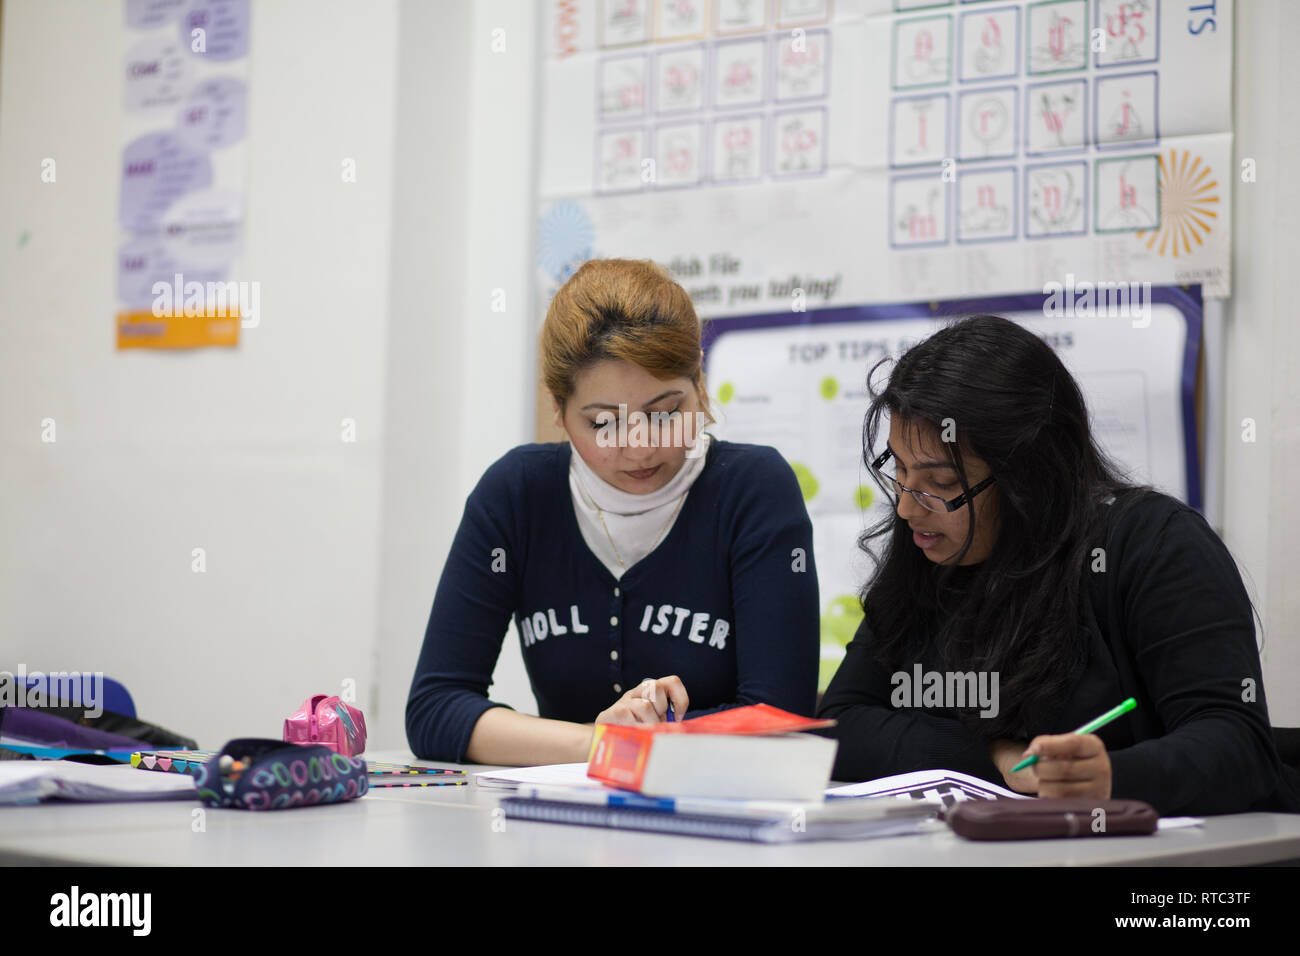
1261, 507
460, 375
238, 451
322, 556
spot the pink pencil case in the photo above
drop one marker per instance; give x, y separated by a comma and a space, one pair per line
327, 721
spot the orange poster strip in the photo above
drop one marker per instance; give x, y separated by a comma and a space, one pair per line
144, 330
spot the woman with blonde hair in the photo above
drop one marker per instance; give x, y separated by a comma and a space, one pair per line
652, 572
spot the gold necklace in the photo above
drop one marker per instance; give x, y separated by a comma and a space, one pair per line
601, 515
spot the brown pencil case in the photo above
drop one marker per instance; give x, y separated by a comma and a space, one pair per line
1051, 818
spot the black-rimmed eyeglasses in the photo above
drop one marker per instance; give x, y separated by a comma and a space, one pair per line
924, 498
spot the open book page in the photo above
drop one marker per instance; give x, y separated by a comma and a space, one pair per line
946, 787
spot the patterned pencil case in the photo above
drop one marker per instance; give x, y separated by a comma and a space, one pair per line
257, 774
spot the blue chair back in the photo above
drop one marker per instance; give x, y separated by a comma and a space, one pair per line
115, 696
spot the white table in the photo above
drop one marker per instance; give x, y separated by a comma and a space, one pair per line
416, 826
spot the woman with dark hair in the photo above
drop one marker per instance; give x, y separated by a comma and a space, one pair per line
645, 565
1019, 561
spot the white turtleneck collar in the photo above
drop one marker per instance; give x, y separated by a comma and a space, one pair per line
635, 523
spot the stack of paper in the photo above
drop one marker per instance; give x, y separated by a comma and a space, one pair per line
563, 793
560, 774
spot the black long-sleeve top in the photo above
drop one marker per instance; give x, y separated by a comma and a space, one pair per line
1169, 624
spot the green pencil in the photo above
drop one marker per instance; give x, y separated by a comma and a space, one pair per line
1087, 728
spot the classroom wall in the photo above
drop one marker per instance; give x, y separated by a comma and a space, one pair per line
459, 380
1261, 512
1255, 361
322, 556
238, 452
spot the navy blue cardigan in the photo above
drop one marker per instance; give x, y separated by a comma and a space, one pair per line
727, 601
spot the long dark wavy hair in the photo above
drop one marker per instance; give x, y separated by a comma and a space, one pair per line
1014, 405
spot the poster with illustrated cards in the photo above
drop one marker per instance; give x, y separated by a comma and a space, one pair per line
183, 168
859, 151
801, 167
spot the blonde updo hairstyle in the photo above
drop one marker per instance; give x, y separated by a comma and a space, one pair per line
629, 309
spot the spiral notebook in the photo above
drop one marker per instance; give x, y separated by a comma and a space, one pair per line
885, 819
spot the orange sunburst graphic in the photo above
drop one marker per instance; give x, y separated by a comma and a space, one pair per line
1189, 200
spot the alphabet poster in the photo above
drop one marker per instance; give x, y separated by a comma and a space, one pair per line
800, 384
816, 153
183, 161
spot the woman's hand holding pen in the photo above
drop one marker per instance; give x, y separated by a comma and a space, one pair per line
648, 703
1069, 765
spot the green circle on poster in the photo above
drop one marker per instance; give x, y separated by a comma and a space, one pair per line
726, 392
864, 496
841, 620
839, 625
829, 387
807, 483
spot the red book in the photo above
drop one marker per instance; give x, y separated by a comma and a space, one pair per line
747, 753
